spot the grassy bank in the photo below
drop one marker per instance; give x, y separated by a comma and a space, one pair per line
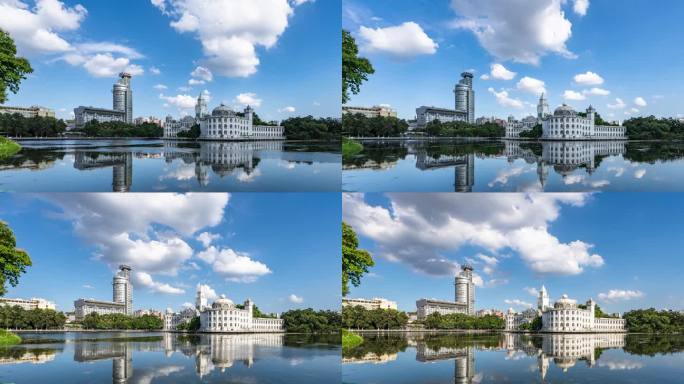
350, 340
8, 147
8, 338
350, 147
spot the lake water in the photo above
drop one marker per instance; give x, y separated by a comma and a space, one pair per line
171, 166
439, 358
514, 166
159, 357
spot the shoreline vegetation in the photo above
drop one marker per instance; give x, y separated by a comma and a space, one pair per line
8, 147
8, 338
350, 340
350, 148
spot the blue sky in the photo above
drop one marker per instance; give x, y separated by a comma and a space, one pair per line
282, 250
634, 48
622, 249
272, 54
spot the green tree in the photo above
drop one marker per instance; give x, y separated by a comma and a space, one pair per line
310, 321
13, 69
13, 261
355, 262
355, 69
193, 133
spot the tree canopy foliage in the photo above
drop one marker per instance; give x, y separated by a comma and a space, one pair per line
16, 317
355, 69
464, 129
193, 133
13, 261
310, 321
121, 321
652, 128
358, 317
358, 125
534, 325
355, 262
191, 326
17, 125
463, 321
95, 128
653, 321
13, 69
310, 128
534, 133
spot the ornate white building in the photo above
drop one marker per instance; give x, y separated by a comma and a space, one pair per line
225, 316
566, 124
464, 295
565, 316
226, 124
515, 127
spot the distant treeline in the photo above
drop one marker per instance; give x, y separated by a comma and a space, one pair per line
358, 125
463, 321
463, 129
310, 128
121, 321
653, 321
310, 321
652, 128
16, 125
358, 317
95, 128
16, 317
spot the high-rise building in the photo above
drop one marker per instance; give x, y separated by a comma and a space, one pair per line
465, 288
122, 97
123, 289
465, 96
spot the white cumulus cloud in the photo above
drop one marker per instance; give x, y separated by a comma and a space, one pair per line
234, 266
295, 299
504, 100
640, 102
531, 85
596, 92
619, 104
248, 98
403, 41
573, 96
588, 78
580, 7
180, 101
615, 295
145, 279
518, 303
499, 72
288, 109
522, 31
206, 238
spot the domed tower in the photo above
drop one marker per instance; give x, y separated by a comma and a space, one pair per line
465, 289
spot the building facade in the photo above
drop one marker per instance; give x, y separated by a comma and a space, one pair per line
122, 97
425, 114
464, 298
122, 298
565, 316
370, 112
83, 115
542, 109
28, 112
226, 124
173, 127
173, 319
225, 316
370, 304
465, 97
84, 307
567, 124
28, 304
515, 127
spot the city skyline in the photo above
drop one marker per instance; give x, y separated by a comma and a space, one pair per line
582, 245
578, 52
77, 51
212, 239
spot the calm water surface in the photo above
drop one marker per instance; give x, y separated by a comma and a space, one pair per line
146, 358
436, 358
159, 166
444, 166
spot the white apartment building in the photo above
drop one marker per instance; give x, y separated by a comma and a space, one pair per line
86, 306
28, 112
28, 304
370, 304
370, 112
225, 316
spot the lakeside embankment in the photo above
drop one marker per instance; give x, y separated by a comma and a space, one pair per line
8, 147
184, 140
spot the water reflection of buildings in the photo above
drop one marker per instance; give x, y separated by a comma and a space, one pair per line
120, 353
121, 163
464, 167
29, 356
561, 350
565, 157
